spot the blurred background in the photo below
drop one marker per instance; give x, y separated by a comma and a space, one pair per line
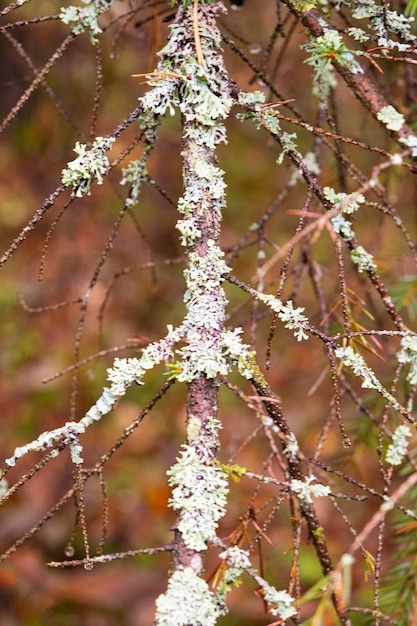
88, 92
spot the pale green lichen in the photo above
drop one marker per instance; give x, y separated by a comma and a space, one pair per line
286, 140
365, 9
280, 603
411, 142
390, 118
362, 259
74, 446
310, 163
85, 18
292, 446
123, 373
271, 122
200, 495
163, 96
383, 20
291, 317
134, 175
238, 561
127, 371
344, 204
48, 439
91, 164
287, 145
251, 98
203, 352
188, 601
357, 364
210, 137
408, 356
305, 490
342, 227
199, 92
398, 448
233, 346
358, 34
238, 353
189, 231
4, 487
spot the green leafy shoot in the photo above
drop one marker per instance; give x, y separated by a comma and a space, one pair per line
404, 292
398, 591
411, 8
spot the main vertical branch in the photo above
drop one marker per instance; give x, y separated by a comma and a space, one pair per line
199, 485
206, 304
203, 96
201, 206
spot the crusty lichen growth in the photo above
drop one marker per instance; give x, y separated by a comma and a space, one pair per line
354, 361
91, 164
188, 601
408, 356
280, 603
305, 489
123, 373
86, 17
199, 494
398, 448
200, 486
391, 118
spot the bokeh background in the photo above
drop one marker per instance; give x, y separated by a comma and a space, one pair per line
89, 92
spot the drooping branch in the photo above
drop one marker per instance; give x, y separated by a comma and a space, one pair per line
356, 78
297, 472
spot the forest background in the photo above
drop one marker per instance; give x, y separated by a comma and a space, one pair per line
91, 277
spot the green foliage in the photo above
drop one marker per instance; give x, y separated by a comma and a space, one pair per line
398, 593
404, 294
411, 8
